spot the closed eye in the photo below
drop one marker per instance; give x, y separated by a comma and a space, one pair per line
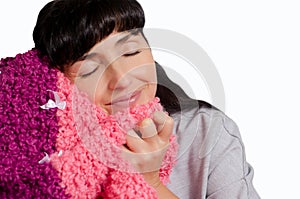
89, 73
131, 53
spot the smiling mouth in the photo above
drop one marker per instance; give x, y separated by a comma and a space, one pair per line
126, 100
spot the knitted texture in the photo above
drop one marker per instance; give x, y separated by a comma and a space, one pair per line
26, 130
81, 143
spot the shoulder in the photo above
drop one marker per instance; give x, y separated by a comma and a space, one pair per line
211, 149
204, 116
202, 127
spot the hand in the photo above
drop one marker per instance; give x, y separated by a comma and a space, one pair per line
146, 150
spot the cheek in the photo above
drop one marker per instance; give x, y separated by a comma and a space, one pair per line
93, 87
145, 70
151, 80
152, 91
150, 77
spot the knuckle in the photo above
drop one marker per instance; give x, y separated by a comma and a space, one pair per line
169, 121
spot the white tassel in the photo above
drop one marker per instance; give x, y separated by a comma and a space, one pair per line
45, 159
57, 104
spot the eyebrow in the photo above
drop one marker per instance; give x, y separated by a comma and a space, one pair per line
88, 56
119, 42
126, 37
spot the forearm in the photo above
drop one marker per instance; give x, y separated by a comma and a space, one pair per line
152, 178
163, 192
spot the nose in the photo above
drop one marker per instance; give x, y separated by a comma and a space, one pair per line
120, 77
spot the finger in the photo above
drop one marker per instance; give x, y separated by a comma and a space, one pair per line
133, 133
145, 162
129, 157
159, 118
167, 129
134, 142
148, 129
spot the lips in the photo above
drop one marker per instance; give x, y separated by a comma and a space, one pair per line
126, 100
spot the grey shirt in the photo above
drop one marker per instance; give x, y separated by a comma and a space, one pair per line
211, 158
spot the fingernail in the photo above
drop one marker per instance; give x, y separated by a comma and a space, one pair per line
159, 117
146, 122
148, 128
132, 133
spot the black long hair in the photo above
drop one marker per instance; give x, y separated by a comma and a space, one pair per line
172, 96
66, 29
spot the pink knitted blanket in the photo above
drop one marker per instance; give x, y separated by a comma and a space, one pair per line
47, 116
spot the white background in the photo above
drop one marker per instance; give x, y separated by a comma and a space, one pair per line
255, 46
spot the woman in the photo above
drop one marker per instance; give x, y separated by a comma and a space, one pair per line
100, 47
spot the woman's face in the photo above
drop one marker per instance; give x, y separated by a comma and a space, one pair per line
117, 73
